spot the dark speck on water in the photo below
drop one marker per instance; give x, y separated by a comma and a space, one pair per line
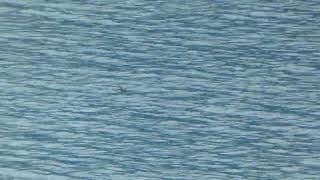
153, 90
122, 89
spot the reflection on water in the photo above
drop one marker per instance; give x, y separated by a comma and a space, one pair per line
159, 90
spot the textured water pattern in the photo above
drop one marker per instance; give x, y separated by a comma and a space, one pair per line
212, 89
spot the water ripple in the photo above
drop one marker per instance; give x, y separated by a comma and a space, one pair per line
211, 89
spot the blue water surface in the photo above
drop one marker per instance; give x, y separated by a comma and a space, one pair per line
170, 90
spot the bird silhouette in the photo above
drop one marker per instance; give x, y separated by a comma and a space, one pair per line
122, 89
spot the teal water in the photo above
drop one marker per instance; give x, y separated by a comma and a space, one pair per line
210, 89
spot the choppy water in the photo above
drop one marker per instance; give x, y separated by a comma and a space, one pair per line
217, 89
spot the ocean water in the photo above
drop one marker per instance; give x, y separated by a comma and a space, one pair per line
170, 90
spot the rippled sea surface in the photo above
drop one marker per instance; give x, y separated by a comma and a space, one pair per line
172, 90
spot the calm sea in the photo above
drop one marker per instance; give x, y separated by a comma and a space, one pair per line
160, 90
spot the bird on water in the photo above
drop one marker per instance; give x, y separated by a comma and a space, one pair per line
122, 90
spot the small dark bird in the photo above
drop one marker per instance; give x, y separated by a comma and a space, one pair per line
122, 89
